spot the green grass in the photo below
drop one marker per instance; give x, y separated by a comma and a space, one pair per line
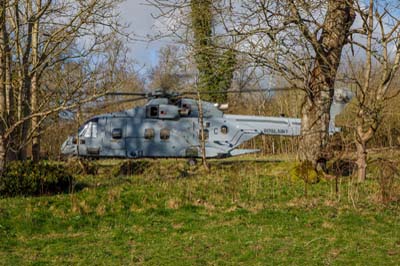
242, 213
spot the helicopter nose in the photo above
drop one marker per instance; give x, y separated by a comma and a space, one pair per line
67, 148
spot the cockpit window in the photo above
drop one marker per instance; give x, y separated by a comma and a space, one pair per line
89, 130
83, 129
94, 130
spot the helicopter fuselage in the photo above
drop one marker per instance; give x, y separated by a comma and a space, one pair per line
166, 128
160, 129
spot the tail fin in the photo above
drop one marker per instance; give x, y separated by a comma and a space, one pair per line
340, 99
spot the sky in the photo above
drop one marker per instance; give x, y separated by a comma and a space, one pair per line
138, 16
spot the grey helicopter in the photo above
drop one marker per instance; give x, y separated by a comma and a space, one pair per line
169, 126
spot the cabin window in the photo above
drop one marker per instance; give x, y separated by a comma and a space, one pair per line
116, 133
224, 130
149, 133
185, 109
153, 111
184, 112
206, 134
164, 134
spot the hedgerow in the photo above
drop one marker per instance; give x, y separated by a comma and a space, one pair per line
27, 178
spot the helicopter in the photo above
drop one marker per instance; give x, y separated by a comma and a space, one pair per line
168, 125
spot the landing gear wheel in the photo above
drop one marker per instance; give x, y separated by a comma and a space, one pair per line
192, 162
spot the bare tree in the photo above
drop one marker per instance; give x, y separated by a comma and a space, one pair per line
302, 42
172, 71
36, 37
377, 42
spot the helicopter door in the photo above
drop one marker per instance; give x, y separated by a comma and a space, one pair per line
115, 137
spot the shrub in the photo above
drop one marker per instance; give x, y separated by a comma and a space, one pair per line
82, 166
26, 178
385, 172
343, 167
304, 171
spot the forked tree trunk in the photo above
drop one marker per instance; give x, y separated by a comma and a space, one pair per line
320, 88
315, 125
362, 139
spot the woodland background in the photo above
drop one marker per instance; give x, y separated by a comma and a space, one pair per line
61, 59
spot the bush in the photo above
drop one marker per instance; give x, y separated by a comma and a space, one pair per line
304, 171
26, 178
343, 167
82, 166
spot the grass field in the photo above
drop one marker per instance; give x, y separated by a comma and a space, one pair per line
242, 213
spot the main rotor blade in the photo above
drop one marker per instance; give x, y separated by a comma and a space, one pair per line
143, 94
102, 105
69, 114
179, 94
121, 101
239, 91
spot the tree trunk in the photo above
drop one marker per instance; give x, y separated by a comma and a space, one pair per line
3, 153
35, 122
362, 138
361, 161
202, 135
216, 68
320, 87
26, 111
3, 95
315, 124
35, 90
